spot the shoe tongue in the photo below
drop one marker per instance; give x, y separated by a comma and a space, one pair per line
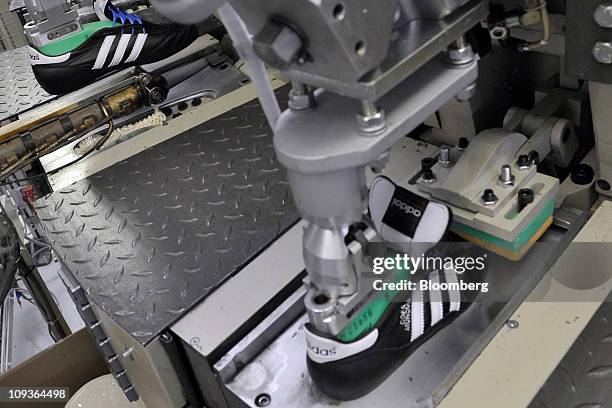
103, 10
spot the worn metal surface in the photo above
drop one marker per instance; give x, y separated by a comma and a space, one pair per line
152, 235
19, 90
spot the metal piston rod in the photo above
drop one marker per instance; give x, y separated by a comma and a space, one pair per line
336, 172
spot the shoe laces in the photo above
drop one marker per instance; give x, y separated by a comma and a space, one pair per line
122, 17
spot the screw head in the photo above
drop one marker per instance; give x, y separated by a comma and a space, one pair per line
263, 400
603, 15
583, 174
488, 197
602, 51
523, 162
513, 324
526, 196
427, 163
603, 185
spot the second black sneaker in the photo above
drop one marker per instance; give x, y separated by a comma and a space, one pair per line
395, 323
117, 41
348, 371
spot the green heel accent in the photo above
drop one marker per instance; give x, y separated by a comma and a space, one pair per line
367, 318
72, 42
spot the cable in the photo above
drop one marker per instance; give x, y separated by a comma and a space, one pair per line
98, 145
107, 120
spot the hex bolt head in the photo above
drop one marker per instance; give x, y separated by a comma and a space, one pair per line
488, 197
278, 44
371, 119
523, 162
602, 51
445, 157
506, 178
603, 15
300, 102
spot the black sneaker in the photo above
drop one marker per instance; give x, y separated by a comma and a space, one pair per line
414, 225
347, 371
117, 41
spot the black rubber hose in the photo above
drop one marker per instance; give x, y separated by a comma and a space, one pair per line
9, 255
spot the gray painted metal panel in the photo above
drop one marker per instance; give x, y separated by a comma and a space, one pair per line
153, 235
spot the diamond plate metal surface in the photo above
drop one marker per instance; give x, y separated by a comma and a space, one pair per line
151, 236
19, 90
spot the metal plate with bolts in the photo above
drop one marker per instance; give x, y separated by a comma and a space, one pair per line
154, 234
414, 45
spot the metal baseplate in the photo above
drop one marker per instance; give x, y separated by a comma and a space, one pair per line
151, 236
19, 90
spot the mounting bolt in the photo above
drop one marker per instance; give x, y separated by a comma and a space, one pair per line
299, 97
525, 197
506, 178
427, 174
371, 119
445, 157
534, 157
463, 143
583, 174
602, 51
488, 197
603, 15
460, 52
523, 162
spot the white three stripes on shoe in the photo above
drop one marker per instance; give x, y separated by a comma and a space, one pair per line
453, 294
418, 305
417, 325
120, 50
137, 48
435, 299
103, 53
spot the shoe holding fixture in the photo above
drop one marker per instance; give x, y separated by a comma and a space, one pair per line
372, 90
77, 54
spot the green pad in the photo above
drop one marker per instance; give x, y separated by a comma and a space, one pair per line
521, 240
